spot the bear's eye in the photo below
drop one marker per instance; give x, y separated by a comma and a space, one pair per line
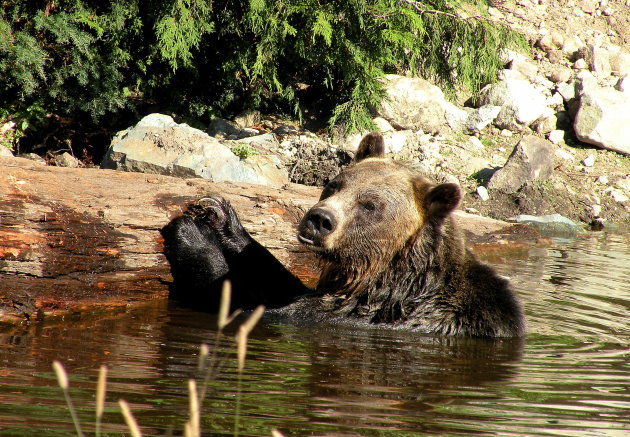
331, 188
368, 205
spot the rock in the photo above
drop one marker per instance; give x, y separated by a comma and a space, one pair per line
556, 136
545, 125
521, 103
571, 46
531, 160
589, 161
33, 157
580, 64
482, 192
553, 223
455, 117
66, 160
596, 209
603, 117
599, 61
560, 74
159, 145
524, 67
476, 143
588, 6
5, 151
620, 63
618, 196
480, 118
382, 125
413, 103
221, 127
285, 129
623, 84
603, 179
247, 119
396, 141
226, 129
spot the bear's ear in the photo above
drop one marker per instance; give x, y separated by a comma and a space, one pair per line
441, 200
372, 146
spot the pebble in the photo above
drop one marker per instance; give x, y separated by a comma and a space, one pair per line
618, 196
589, 161
482, 192
476, 142
580, 64
472, 211
603, 179
597, 210
556, 136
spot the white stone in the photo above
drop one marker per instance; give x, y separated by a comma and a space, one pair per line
521, 103
475, 142
413, 103
506, 133
395, 141
482, 192
597, 210
618, 196
382, 124
480, 118
589, 161
603, 179
603, 118
580, 64
623, 84
556, 136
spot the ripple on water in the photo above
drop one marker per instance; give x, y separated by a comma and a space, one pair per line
569, 376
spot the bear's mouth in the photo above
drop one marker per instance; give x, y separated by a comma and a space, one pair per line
312, 242
308, 241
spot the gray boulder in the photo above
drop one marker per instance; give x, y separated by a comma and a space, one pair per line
551, 224
531, 160
413, 103
521, 103
603, 117
159, 145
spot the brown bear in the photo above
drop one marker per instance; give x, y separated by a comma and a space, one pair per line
390, 250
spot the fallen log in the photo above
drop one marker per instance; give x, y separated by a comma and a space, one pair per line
76, 240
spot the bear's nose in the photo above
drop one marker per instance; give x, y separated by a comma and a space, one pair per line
320, 222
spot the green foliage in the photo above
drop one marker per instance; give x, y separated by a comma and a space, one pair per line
200, 58
244, 151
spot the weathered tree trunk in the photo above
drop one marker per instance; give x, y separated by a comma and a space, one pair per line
88, 239
74, 240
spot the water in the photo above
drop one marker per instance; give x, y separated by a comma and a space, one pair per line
569, 376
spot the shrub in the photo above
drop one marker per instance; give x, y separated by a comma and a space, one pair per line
96, 61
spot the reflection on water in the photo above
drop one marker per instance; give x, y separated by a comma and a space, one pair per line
569, 376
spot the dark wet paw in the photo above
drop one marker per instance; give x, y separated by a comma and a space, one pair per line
218, 215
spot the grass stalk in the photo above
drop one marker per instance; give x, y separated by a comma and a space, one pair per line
129, 419
194, 429
100, 398
62, 379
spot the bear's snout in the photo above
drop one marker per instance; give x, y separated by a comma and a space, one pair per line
315, 226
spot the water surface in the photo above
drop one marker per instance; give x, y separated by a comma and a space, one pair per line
569, 376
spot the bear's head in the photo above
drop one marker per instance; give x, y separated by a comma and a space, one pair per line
374, 210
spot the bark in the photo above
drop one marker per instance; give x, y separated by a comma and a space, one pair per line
76, 240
